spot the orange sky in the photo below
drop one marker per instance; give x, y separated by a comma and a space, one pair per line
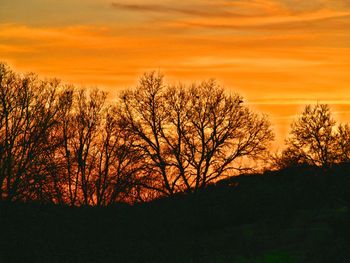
279, 54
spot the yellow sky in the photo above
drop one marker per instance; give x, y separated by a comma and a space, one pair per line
279, 54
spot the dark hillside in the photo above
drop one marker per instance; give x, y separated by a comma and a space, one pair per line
299, 215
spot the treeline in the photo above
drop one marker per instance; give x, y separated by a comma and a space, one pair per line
71, 146
64, 145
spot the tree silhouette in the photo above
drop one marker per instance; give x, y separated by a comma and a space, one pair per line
216, 130
66, 145
314, 138
343, 143
143, 115
95, 154
28, 108
190, 136
118, 162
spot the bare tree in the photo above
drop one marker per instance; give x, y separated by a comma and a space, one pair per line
27, 110
97, 158
80, 119
143, 114
222, 131
118, 162
191, 136
177, 104
343, 143
313, 136
66, 156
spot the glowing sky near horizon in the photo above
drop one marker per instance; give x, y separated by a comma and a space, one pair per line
279, 54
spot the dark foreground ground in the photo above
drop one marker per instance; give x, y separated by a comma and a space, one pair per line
287, 216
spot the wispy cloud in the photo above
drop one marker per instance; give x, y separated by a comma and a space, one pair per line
295, 51
266, 21
238, 15
192, 10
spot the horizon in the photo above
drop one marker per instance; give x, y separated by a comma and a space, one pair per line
278, 54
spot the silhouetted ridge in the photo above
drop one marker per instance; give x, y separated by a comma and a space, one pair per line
285, 215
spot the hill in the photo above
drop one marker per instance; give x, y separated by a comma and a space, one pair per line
294, 215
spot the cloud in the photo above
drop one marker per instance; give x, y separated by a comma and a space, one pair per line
279, 54
239, 15
193, 10
281, 22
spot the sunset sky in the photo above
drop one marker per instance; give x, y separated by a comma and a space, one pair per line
279, 54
